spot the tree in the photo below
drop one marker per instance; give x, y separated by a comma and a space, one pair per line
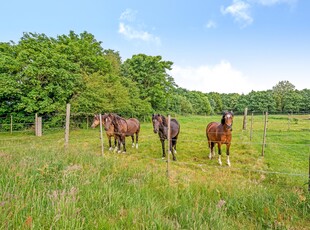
280, 91
149, 72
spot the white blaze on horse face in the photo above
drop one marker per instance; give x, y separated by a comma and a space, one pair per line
228, 119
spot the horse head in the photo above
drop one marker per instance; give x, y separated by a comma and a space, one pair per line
106, 121
158, 120
96, 121
227, 119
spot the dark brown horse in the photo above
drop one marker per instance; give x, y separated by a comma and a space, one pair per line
123, 128
220, 133
107, 127
160, 126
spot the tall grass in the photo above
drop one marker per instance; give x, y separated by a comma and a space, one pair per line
44, 186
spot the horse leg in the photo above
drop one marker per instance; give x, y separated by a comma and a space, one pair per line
110, 143
115, 143
118, 149
227, 153
137, 138
211, 146
163, 147
173, 149
220, 153
133, 141
124, 143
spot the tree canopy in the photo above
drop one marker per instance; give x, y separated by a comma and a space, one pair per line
41, 74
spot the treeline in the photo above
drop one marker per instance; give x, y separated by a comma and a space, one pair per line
42, 74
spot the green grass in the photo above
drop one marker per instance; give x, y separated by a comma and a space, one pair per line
44, 186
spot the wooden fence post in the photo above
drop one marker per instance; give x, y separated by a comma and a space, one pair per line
265, 132
11, 124
39, 134
168, 149
244, 118
251, 130
67, 126
101, 136
36, 124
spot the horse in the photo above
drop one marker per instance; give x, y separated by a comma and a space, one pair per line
108, 128
160, 126
124, 128
220, 133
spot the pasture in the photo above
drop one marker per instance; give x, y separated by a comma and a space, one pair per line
44, 186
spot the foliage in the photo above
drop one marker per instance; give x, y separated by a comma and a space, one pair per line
149, 72
41, 74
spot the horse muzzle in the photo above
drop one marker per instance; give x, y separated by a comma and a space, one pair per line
155, 131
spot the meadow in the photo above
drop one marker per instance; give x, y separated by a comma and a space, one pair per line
45, 186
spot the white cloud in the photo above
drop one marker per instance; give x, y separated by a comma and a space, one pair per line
221, 78
240, 11
128, 15
130, 31
211, 24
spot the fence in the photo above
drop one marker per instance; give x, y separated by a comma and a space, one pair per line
257, 135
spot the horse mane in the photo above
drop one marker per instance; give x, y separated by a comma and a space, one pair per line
163, 119
223, 119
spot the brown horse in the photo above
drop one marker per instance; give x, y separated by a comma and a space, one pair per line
160, 126
124, 128
109, 130
220, 133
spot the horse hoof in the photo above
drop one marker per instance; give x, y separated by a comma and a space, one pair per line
163, 158
124, 152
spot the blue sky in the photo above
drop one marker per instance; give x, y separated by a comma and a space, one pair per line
221, 46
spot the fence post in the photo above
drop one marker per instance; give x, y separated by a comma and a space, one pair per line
244, 118
39, 134
11, 124
36, 124
168, 149
101, 136
67, 126
251, 130
265, 132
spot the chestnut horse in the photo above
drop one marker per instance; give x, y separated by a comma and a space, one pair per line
109, 130
122, 129
220, 133
160, 126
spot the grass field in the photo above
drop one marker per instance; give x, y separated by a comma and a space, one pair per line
44, 186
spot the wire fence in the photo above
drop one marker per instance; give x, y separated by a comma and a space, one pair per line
279, 131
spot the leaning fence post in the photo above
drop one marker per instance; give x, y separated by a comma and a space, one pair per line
168, 149
101, 136
265, 132
67, 126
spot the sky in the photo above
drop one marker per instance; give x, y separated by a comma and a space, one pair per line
225, 46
